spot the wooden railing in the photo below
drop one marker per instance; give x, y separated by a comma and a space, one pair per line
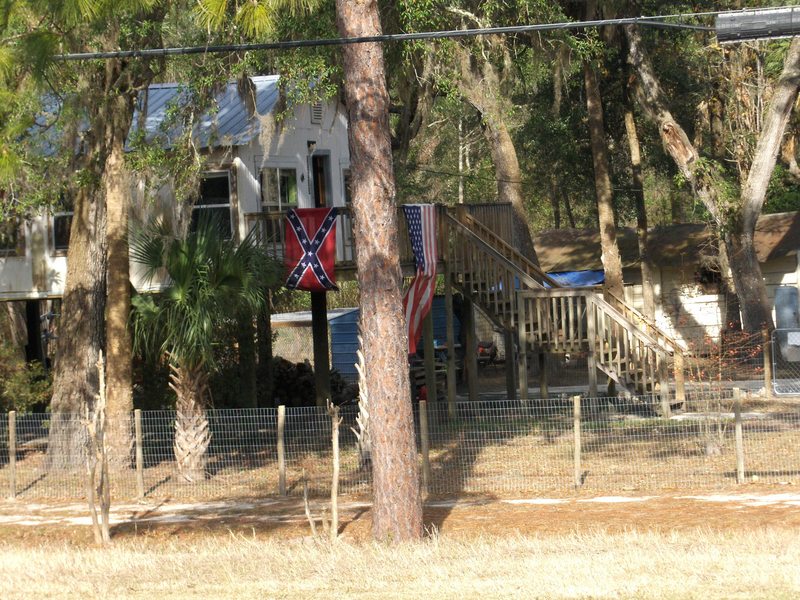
485, 274
270, 230
499, 242
566, 320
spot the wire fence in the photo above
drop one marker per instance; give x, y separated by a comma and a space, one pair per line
486, 447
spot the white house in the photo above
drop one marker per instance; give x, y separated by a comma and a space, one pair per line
257, 165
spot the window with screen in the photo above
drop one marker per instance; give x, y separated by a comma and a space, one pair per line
214, 203
61, 225
278, 193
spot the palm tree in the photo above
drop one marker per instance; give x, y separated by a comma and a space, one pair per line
209, 280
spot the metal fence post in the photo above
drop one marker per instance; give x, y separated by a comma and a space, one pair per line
137, 423
281, 450
425, 445
12, 454
737, 411
576, 429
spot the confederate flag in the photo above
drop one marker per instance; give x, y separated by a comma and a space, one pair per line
310, 249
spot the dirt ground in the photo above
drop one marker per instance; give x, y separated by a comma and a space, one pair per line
739, 509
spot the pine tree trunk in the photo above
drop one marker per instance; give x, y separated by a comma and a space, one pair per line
80, 332
119, 359
612, 264
192, 434
645, 263
397, 507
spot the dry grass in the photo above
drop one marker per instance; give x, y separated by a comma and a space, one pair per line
598, 565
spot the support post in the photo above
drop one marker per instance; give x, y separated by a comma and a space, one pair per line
425, 446
451, 341
544, 392
430, 356
663, 379
471, 351
737, 411
576, 430
767, 344
280, 434
137, 425
12, 454
591, 314
680, 379
522, 351
319, 330
511, 375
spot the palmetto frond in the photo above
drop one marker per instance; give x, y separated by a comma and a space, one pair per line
209, 280
255, 17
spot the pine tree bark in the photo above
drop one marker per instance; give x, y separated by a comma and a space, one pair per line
81, 332
397, 507
645, 263
612, 264
119, 359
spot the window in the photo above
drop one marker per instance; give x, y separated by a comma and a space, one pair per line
278, 189
348, 187
278, 193
62, 223
214, 203
9, 237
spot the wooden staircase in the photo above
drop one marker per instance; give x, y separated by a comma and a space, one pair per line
548, 318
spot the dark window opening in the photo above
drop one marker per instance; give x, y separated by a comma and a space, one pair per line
214, 204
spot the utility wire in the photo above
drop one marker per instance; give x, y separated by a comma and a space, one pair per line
653, 21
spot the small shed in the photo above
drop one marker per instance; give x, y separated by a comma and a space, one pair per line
344, 336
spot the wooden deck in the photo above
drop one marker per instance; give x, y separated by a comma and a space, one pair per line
496, 217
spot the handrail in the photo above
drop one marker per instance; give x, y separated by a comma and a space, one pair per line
626, 323
529, 267
510, 265
600, 301
668, 339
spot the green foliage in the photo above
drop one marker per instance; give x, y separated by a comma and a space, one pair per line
210, 280
22, 385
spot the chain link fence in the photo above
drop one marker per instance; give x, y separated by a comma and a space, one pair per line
484, 447
786, 361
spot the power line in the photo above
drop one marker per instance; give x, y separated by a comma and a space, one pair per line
653, 21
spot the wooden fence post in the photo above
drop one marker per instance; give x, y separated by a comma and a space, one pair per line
281, 450
576, 429
425, 444
767, 363
137, 423
680, 379
12, 454
737, 411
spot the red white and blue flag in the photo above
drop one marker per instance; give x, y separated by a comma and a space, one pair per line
421, 219
310, 249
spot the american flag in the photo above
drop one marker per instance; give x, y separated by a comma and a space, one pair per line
421, 219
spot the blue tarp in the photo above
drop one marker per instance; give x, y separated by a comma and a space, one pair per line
579, 278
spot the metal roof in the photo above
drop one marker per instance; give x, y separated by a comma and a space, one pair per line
228, 123
559, 250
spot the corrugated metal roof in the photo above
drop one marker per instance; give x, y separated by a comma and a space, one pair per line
228, 123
